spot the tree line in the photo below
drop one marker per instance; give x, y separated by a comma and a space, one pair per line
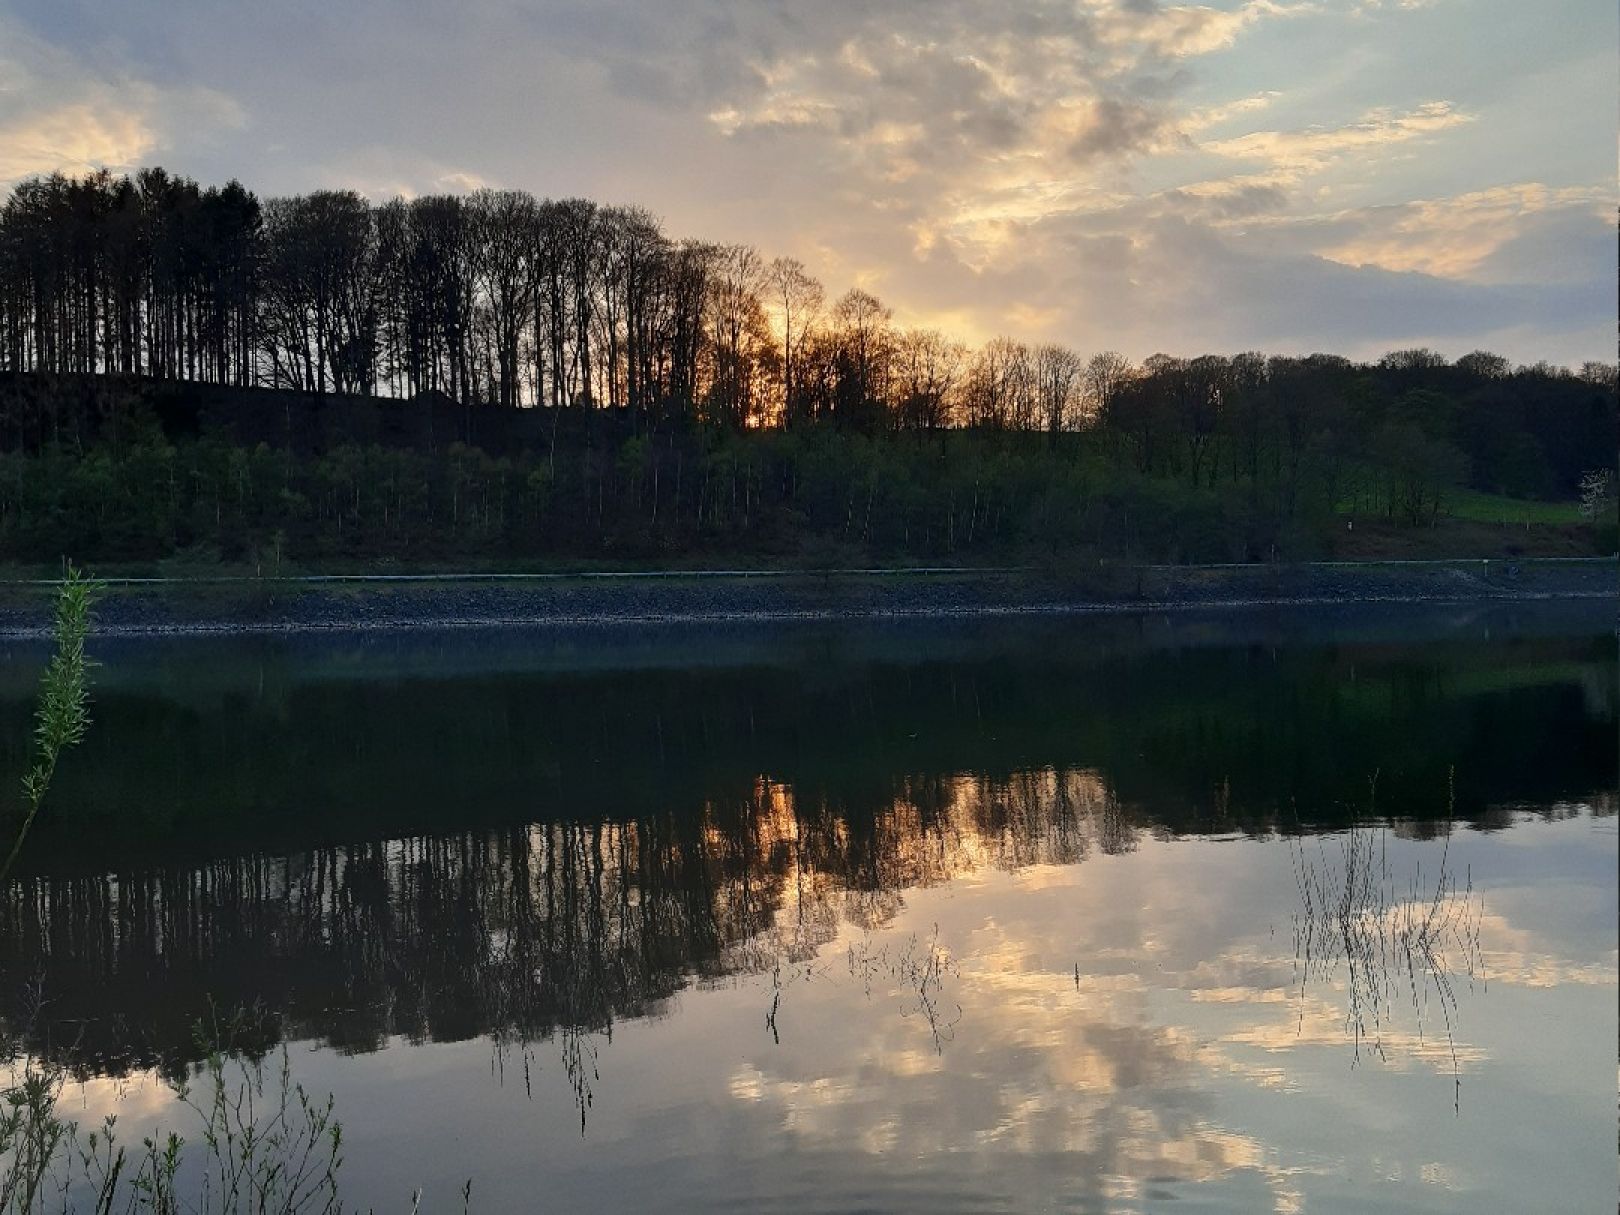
496, 297
490, 298
498, 303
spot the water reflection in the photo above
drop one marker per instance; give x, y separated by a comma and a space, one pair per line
777, 952
566, 927
519, 932
1396, 946
205, 748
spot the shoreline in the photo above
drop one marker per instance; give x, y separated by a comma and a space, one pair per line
360, 604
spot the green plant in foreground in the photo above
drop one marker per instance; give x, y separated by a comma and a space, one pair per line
63, 714
261, 1143
271, 1149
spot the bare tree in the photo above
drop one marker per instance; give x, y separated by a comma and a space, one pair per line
864, 343
1059, 372
740, 347
1484, 364
928, 366
999, 387
797, 299
1106, 374
502, 225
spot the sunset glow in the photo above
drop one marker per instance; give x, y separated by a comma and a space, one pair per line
1352, 175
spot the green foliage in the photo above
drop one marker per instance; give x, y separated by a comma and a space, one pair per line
260, 1143
1248, 458
63, 712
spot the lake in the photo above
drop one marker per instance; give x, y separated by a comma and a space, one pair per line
1274, 911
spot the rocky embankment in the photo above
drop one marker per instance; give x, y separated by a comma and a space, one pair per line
291, 605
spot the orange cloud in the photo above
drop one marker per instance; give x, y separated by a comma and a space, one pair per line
1452, 237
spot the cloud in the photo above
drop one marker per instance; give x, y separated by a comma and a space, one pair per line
59, 113
74, 138
1179, 30
1175, 271
1060, 164
1216, 115
1229, 199
381, 173
1457, 237
963, 125
1314, 148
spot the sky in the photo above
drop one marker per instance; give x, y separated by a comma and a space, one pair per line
1280, 175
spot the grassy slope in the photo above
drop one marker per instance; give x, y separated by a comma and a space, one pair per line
1476, 507
1473, 524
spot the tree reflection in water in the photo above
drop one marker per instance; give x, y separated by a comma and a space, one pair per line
552, 930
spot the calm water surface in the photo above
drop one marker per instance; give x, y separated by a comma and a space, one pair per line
1250, 913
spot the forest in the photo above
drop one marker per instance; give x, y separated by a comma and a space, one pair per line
194, 371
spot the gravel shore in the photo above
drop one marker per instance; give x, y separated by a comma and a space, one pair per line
292, 606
